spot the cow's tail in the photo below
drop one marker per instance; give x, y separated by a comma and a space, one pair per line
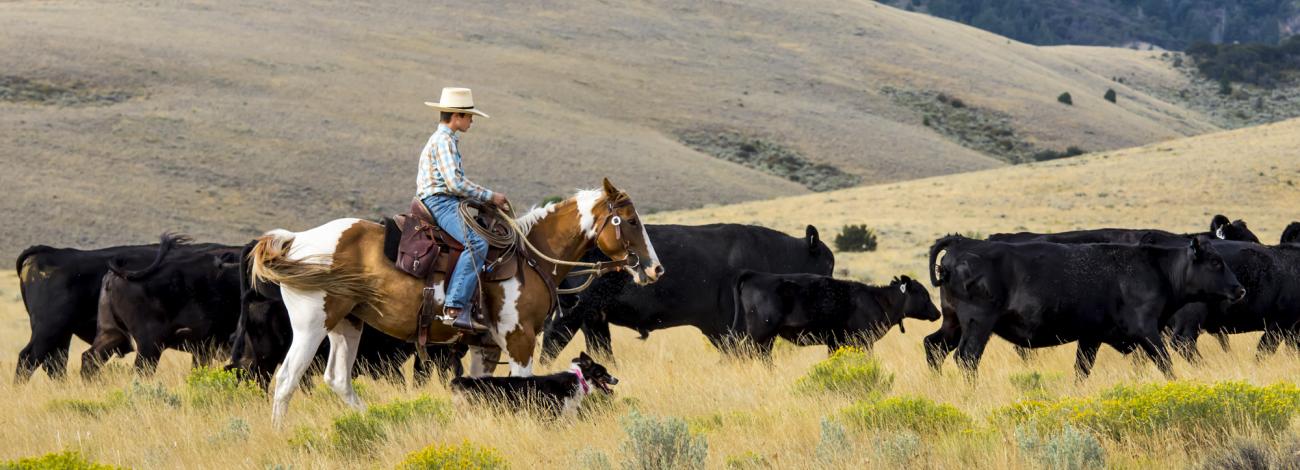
22, 262
313, 272
738, 308
165, 244
246, 291
937, 273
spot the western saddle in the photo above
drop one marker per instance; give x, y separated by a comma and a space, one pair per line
428, 252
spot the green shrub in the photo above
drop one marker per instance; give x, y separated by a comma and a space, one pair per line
1049, 154
401, 411
209, 386
552, 200
849, 370
1207, 412
1034, 383
594, 459
70, 460
833, 446
667, 444
236, 430
748, 461
1110, 95
88, 408
899, 449
1065, 98
306, 438
1069, 449
856, 238
466, 456
917, 414
356, 432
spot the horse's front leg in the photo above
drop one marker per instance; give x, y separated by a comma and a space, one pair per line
483, 360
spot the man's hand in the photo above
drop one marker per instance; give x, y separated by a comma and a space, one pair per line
500, 201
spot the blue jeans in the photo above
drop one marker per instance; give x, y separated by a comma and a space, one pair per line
446, 211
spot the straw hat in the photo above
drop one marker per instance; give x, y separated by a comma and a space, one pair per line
456, 100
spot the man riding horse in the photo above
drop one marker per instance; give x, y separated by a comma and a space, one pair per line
441, 185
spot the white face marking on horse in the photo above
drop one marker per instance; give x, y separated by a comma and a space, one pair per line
654, 257
587, 200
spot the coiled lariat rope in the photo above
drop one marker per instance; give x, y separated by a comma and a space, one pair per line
509, 235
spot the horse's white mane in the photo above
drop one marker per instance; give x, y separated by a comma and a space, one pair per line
536, 214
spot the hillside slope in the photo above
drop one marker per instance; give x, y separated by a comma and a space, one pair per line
224, 119
1251, 174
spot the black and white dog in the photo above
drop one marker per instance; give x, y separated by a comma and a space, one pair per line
555, 394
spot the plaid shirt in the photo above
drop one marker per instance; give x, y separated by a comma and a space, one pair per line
440, 169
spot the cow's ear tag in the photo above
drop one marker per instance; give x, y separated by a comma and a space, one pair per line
1219, 233
902, 288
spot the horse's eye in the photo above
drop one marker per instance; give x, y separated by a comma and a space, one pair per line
634, 222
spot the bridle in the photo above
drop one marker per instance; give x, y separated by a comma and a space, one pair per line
629, 262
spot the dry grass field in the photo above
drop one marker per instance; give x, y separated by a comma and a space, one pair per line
223, 119
742, 407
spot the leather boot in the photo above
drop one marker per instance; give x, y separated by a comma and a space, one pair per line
465, 321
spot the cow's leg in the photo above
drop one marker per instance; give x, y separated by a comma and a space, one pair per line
344, 339
147, 354
483, 361
1084, 358
1185, 344
109, 342
445, 359
1223, 341
975, 333
1026, 354
307, 315
943, 341
558, 333
1268, 343
48, 348
1154, 347
596, 334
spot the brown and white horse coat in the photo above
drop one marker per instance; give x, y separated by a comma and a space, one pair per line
335, 279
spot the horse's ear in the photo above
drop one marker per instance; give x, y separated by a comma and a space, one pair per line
610, 190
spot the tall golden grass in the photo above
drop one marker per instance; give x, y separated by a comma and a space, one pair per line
753, 407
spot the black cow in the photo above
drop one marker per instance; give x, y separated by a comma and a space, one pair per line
1220, 228
263, 336
702, 262
1045, 294
808, 309
1291, 234
185, 301
60, 289
1271, 276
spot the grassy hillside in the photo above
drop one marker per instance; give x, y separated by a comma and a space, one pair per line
225, 119
1251, 174
751, 410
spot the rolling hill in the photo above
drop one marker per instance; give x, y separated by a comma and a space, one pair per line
1251, 174
225, 119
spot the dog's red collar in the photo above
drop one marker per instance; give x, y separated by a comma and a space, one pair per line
582, 382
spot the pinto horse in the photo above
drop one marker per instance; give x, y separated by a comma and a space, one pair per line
335, 280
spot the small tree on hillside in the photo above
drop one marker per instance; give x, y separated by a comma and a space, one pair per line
1065, 98
1110, 95
855, 238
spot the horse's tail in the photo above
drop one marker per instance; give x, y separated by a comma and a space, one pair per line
937, 277
165, 245
313, 272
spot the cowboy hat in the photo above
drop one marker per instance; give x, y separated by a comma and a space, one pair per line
456, 100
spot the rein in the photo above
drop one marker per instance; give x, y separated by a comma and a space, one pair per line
511, 235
